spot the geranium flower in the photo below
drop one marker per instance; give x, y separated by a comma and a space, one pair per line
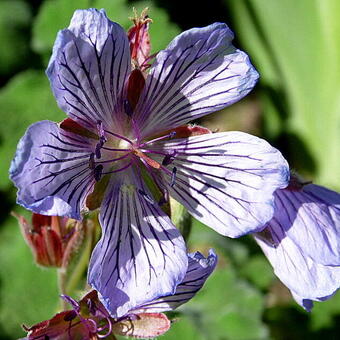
89, 320
302, 241
125, 148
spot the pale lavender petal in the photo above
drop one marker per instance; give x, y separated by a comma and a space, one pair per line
311, 219
141, 254
88, 68
199, 269
198, 73
51, 170
225, 180
306, 279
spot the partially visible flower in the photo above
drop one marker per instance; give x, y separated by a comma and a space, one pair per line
89, 320
139, 39
126, 148
302, 241
52, 239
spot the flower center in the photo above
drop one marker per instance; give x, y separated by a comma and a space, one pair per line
124, 144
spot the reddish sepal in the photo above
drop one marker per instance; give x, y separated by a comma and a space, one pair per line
135, 86
70, 125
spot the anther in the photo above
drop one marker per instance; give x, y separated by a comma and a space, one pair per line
98, 171
91, 161
173, 176
101, 131
128, 108
99, 145
169, 158
146, 196
172, 134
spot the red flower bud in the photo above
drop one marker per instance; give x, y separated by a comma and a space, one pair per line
51, 238
139, 39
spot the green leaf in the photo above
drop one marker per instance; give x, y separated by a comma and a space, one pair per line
27, 98
183, 328
325, 313
296, 47
226, 308
28, 293
15, 17
258, 271
53, 16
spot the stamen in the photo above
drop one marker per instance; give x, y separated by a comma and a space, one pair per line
91, 162
109, 326
118, 136
97, 150
112, 149
173, 177
101, 130
99, 145
128, 108
98, 172
113, 159
168, 159
146, 196
71, 301
170, 135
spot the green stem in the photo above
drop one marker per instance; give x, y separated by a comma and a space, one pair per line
61, 272
78, 271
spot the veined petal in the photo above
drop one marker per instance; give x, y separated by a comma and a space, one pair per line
141, 254
51, 170
225, 180
89, 67
198, 73
311, 219
199, 269
306, 279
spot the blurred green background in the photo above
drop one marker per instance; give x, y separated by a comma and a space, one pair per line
295, 45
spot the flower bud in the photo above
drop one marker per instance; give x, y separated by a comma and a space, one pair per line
50, 238
139, 39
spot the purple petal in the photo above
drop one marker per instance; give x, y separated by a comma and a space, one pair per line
198, 73
306, 279
226, 180
51, 170
311, 219
199, 269
88, 68
141, 254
